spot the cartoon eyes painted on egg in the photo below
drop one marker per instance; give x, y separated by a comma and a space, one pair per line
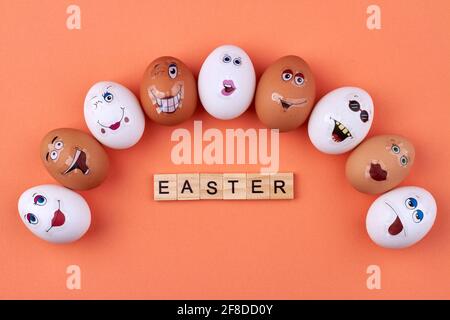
237, 61
173, 70
58, 145
226, 58
31, 218
287, 75
54, 155
417, 216
403, 160
39, 200
108, 97
395, 149
299, 79
411, 203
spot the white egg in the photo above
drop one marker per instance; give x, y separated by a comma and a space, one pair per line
401, 217
54, 213
226, 82
341, 120
113, 115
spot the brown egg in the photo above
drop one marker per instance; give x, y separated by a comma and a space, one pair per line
168, 91
380, 163
285, 94
74, 158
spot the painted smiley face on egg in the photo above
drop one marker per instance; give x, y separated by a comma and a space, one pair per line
168, 91
285, 94
401, 217
74, 158
113, 115
226, 82
380, 163
341, 120
54, 213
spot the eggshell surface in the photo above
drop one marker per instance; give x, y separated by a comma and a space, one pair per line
113, 115
226, 82
168, 91
401, 217
341, 120
285, 94
54, 213
74, 158
380, 163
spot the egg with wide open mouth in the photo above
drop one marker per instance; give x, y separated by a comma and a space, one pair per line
401, 217
74, 158
341, 120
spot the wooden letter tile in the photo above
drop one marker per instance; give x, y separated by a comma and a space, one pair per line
258, 186
165, 187
234, 186
282, 186
211, 186
188, 186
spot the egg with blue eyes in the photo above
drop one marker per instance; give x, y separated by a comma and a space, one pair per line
226, 82
113, 115
401, 217
341, 120
54, 213
74, 158
380, 163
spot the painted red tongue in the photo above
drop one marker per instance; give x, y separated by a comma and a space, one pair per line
115, 126
336, 137
396, 227
58, 219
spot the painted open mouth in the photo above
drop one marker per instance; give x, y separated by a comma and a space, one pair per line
397, 226
377, 173
78, 162
228, 87
340, 132
115, 125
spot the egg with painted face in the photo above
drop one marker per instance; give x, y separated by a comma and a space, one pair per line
54, 213
74, 158
226, 82
285, 94
113, 115
341, 120
380, 163
401, 217
168, 91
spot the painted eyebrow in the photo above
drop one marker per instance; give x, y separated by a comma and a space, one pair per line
34, 194
54, 139
156, 66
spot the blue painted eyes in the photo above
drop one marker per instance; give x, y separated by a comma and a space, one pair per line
417, 216
39, 200
411, 203
31, 218
108, 97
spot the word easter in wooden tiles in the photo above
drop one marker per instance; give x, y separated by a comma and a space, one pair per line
223, 186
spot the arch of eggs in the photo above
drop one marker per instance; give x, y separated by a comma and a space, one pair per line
284, 99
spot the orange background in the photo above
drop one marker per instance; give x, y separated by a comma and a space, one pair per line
315, 246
